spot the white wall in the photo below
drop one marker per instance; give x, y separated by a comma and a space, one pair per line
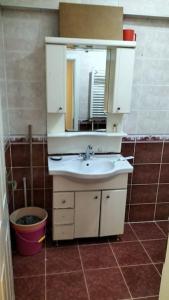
24, 33
150, 97
131, 7
3, 82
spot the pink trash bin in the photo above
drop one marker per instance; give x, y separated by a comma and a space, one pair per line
29, 237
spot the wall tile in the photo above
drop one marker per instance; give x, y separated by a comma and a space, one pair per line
164, 176
165, 158
149, 122
26, 94
8, 157
130, 122
18, 174
143, 193
48, 179
37, 155
19, 199
162, 211
35, 117
127, 149
38, 177
144, 212
145, 174
48, 198
20, 155
148, 152
154, 97
25, 65
38, 197
163, 193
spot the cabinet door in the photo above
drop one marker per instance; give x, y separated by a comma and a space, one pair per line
112, 212
55, 78
119, 78
87, 211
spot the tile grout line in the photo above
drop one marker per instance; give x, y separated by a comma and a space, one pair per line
159, 175
161, 229
120, 271
79, 271
85, 280
141, 243
134, 151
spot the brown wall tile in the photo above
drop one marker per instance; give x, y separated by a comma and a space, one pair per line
19, 199
38, 197
164, 176
143, 212
48, 198
37, 155
144, 174
20, 155
142, 190
162, 211
48, 179
8, 157
163, 193
127, 149
46, 154
38, 177
148, 152
143, 193
165, 158
18, 174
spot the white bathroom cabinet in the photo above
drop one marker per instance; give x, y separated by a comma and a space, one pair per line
119, 78
56, 78
87, 212
112, 212
83, 210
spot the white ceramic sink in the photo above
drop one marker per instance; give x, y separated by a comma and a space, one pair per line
98, 167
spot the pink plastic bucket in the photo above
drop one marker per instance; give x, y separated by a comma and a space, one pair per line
29, 237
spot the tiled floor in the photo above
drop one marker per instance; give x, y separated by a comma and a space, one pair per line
93, 269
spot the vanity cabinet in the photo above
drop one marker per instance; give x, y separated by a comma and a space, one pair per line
80, 212
55, 78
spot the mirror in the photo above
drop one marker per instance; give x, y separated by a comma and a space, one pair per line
85, 90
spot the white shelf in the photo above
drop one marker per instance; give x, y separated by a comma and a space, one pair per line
93, 43
86, 133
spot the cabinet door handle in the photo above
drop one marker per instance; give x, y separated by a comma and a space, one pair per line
96, 197
60, 108
107, 196
63, 201
118, 108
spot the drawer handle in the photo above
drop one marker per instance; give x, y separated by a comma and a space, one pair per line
107, 196
96, 197
63, 201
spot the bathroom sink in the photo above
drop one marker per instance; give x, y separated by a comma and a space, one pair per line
97, 167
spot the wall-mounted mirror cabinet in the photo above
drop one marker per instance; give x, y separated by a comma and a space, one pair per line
89, 84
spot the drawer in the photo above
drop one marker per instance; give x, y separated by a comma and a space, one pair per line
63, 200
63, 232
63, 216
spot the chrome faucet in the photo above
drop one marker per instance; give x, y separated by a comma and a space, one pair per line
89, 152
